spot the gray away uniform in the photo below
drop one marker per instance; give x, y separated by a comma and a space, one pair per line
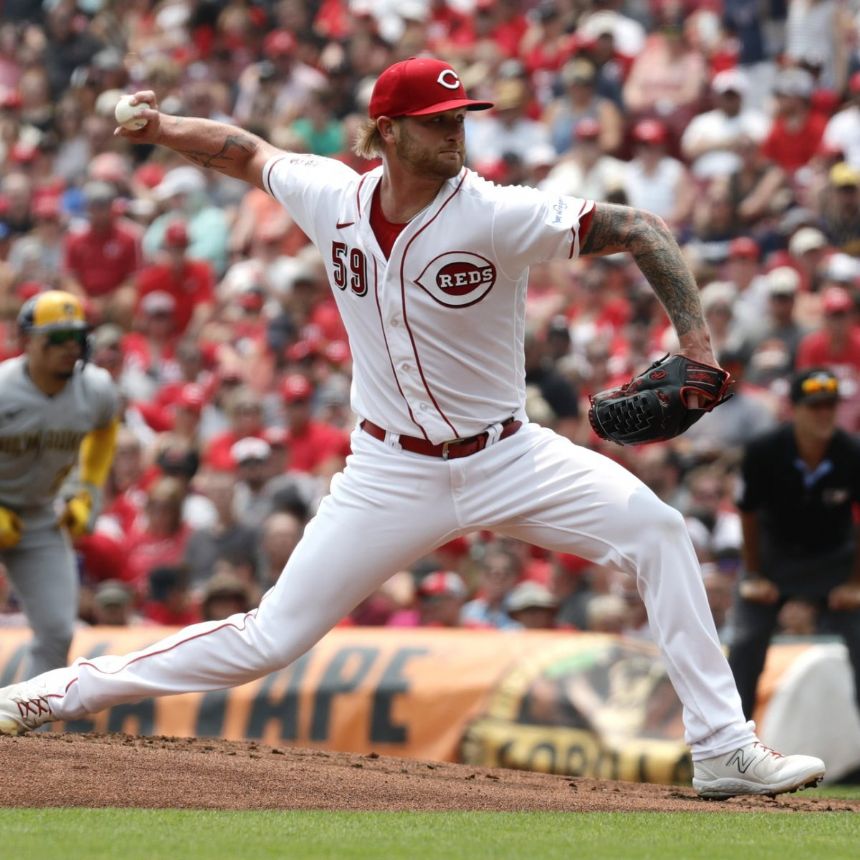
39, 441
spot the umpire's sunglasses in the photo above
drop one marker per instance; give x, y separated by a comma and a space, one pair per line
817, 385
58, 338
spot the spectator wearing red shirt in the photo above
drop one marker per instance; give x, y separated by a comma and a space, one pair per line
101, 259
161, 537
177, 419
314, 446
186, 412
439, 602
170, 602
191, 362
600, 311
150, 354
836, 345
505, 21
448, 29
796, 130
125, 493
245, 413
190, 282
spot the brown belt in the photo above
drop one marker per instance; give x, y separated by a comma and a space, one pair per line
446, 450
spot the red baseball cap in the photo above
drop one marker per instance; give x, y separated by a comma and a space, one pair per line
276, 436
649, 131
420, 86
337, 352
296, 387
442, 583
836, 300
192, 397
744, 246
302, 349
176, 235
279, 43
23, 153
46, 206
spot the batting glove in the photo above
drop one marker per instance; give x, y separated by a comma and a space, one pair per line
10, 528
79, 514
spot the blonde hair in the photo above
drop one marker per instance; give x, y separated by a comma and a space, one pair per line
368, 140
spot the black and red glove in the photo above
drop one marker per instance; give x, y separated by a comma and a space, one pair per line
655, 405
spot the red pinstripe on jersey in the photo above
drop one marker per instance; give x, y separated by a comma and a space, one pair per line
403, 301
358, 193
390, 359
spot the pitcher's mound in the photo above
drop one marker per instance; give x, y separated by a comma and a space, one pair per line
199, 773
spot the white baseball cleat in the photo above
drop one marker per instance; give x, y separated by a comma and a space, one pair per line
755, 769
23, 707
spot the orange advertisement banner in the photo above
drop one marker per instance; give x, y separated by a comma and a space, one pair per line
398, 692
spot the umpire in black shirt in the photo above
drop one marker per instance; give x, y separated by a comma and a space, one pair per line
800, 483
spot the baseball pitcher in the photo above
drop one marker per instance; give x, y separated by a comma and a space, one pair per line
429, 265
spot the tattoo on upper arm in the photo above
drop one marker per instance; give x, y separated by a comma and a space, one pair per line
236, 147
646, 237
612, 229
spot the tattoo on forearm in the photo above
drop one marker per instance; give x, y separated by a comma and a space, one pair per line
622, 228
236, 148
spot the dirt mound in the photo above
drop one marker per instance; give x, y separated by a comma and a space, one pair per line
197, 773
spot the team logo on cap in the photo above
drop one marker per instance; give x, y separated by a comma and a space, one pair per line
458, 279
448, 78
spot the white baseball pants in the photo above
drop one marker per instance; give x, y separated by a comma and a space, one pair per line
390, 507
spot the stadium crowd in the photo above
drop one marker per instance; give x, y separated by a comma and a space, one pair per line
737, 122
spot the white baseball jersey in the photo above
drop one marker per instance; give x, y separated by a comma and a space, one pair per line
437, 330
40, 435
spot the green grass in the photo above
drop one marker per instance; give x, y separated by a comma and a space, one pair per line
129, 834
846, 792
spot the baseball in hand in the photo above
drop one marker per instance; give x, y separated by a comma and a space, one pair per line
126, 114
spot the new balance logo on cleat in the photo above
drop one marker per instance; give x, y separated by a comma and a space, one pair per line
739, 760
755, 769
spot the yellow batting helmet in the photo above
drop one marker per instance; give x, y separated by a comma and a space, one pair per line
54, 310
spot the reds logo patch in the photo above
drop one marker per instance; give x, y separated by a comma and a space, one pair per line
458, 279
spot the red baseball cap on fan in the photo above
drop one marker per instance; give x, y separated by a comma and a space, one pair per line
420, 86
296, 387
192, 397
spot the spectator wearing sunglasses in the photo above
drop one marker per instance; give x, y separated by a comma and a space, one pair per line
836, 344
800, 482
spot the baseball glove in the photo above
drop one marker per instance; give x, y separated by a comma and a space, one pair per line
654, 405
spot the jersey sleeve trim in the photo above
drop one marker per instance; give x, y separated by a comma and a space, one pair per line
267, 172
583, 222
